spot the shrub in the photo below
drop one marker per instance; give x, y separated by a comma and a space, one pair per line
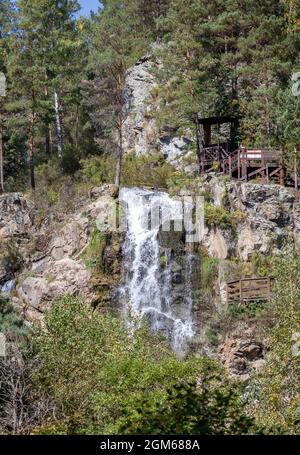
146, 170
93, 255
11, 324
249, 309
212, 408
209, 273
12, 260
217, 216
94, 367
275, 393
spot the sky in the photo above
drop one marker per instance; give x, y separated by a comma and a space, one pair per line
88, 5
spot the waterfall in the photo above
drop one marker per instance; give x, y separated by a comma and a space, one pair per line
146, 290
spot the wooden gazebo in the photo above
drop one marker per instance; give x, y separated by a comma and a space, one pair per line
231, 158
210, 152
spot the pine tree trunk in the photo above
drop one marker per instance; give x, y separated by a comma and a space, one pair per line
120, 155
47, 126
31, 150
120, 100
58, 127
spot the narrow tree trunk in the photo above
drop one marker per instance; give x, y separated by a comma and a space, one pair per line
58, 127
1, 156
47, 125
120, 155
31, 150
120, 88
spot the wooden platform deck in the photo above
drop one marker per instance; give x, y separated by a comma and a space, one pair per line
248, 164
249, 290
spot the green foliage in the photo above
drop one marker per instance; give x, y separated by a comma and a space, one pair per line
247, 309
96, 170
108, 368
275, 393
146, 170
217, 216
93, 255
55, 192
11, 259
211, 408
209, 273
11, 324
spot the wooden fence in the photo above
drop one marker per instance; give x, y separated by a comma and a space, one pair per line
249, 289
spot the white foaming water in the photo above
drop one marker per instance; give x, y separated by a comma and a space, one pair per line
147, 285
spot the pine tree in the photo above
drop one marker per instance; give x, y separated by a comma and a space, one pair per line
5, 12
118, 43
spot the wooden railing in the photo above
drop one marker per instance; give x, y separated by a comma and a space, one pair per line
249, 289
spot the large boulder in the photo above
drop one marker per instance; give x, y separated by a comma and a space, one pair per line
58, 268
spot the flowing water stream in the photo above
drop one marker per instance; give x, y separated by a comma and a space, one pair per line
147, 285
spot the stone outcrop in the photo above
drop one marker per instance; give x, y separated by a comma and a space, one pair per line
57, 266
140, 132
240, 356
16, 232
267, 219
16, 217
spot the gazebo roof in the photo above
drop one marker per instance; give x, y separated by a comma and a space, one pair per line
216, 120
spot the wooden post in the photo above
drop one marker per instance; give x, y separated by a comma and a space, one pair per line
269, 289
263, 163
267, 172
199, 145
282, 167
230, 165
239, 164
241, 293
207, 134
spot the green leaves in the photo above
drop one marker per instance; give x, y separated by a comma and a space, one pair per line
94, 367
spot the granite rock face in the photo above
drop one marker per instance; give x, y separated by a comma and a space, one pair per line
16, 217
16, 231
268, 219
140, 132
58, 268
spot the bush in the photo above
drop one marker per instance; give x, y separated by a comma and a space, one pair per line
275, 393
94, 368
209, 273
146, 170
12, 260
217, 216
249, 309
93, 255
212, 408
11, 324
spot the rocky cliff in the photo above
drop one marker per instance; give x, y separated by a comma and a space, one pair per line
140, 132
242, 221
53, 258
